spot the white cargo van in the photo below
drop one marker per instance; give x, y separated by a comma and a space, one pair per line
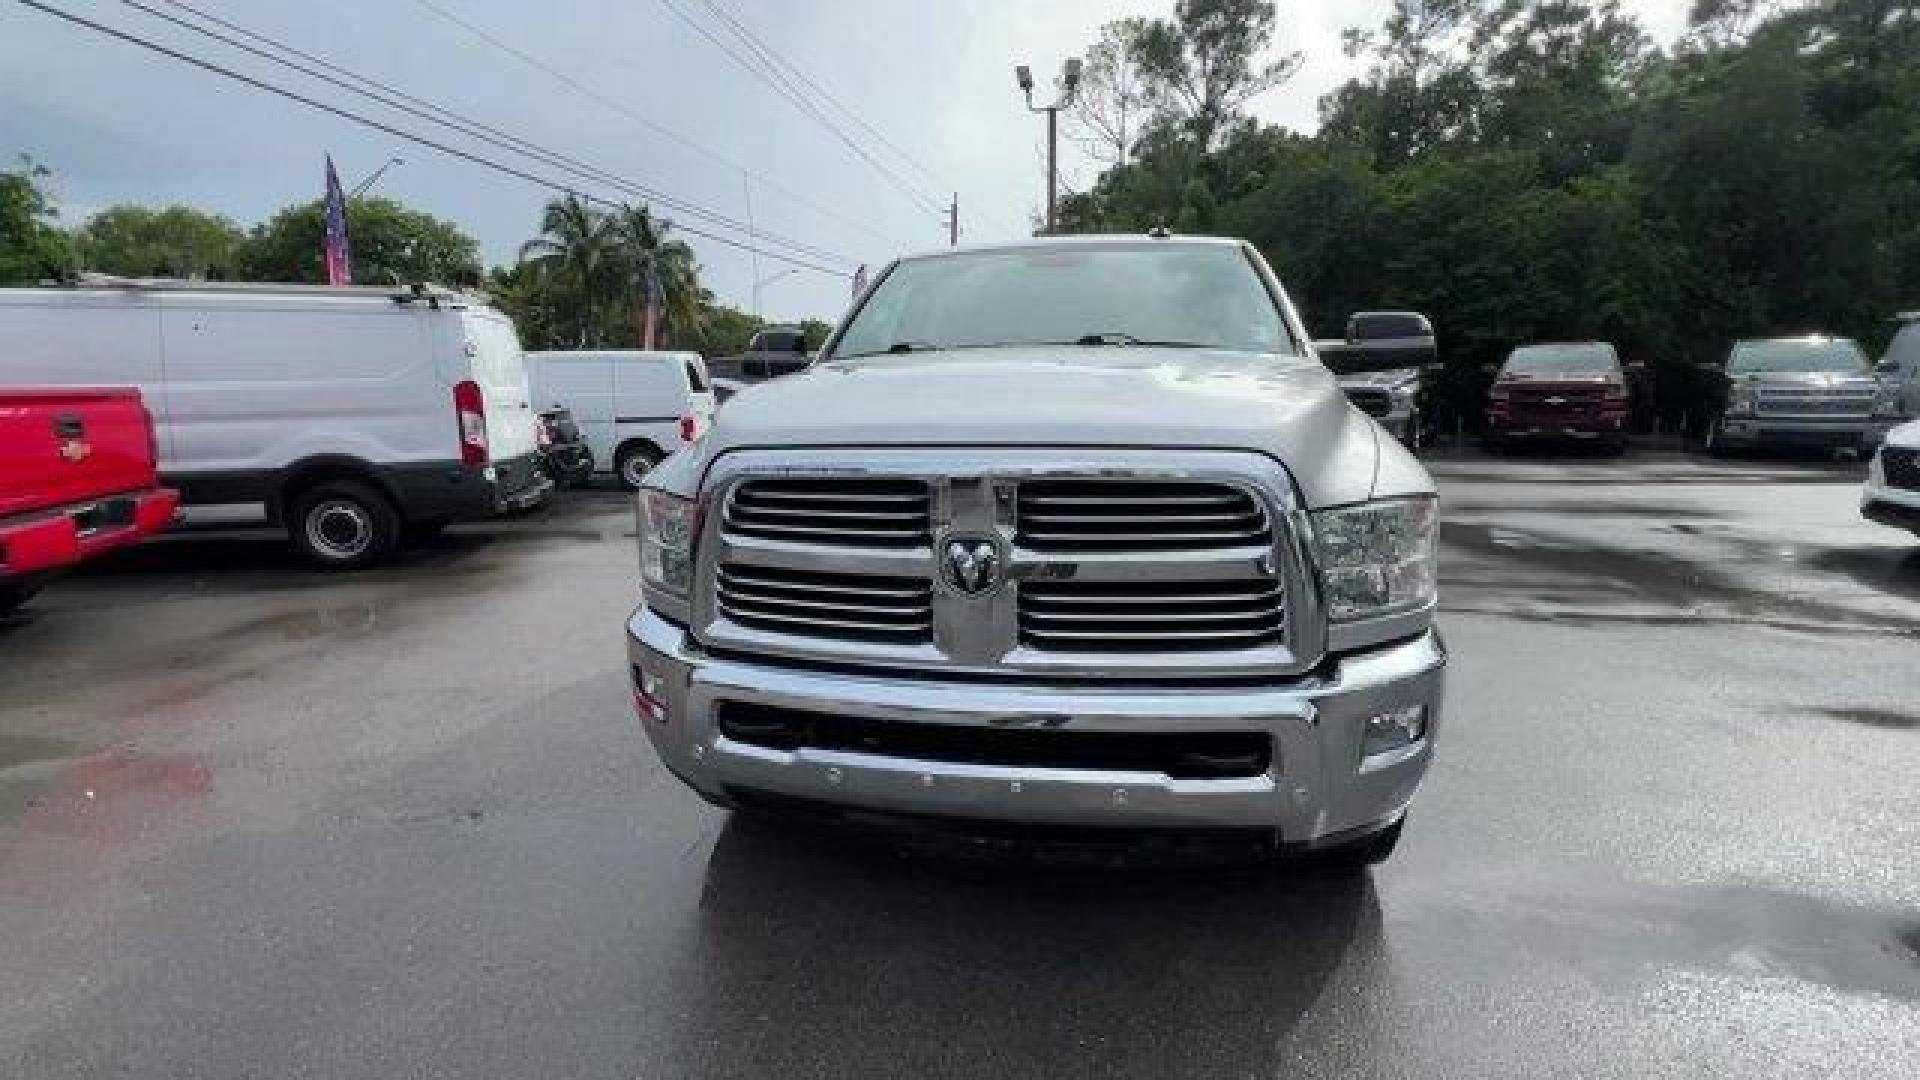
354, 417
633, 408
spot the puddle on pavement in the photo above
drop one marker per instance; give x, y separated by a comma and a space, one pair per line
113, 794
17, 750
1877, 718
1605, 580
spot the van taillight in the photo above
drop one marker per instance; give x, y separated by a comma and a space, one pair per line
471, 407
689, 427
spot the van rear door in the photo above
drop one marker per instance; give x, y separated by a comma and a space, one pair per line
497, 365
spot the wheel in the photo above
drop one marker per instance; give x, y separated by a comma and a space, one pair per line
423, 532
342, 525
1371, 851
1716, 445
634, 463
16, 592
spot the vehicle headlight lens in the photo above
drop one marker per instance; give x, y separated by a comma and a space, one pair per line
1886, 403
1378, 558
1614, 393
666, 526
1740, 398
1499, 393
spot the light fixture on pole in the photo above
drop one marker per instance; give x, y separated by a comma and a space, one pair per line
360, 188
1069, 84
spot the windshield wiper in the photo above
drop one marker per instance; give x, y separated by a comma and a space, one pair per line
896, 349
1128, 339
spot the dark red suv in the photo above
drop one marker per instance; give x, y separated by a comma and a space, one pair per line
1571, 391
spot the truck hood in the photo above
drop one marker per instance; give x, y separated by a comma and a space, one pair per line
1287, 408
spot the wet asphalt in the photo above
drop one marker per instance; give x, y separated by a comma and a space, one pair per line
259, 823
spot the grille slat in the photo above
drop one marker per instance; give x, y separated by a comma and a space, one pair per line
1121, 515
895, 610
834, 512
1095, 616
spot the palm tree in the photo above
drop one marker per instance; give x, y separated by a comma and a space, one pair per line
644, 246
575, 251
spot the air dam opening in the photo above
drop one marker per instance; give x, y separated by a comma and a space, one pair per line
1183, 755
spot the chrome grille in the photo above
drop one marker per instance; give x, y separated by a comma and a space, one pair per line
833, 511
1131, 616
1801, 405
1134, 515
849, 606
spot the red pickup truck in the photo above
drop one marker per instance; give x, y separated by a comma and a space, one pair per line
76, 479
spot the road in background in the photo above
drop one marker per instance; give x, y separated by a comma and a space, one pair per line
257, 822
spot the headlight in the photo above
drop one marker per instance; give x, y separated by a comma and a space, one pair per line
1886, 403
1740, 398
1614, 393
1378, 558
1499, 393
666, 526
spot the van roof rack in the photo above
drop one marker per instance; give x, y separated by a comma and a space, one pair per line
435, 294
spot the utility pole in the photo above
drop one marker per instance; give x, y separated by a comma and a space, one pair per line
746, 193
1069, 83
953, 221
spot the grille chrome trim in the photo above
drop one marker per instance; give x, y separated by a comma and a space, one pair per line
1115, 617
1105, 514
978, 490
877, 512
895, 609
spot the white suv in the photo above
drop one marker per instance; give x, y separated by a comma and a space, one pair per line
1892, 495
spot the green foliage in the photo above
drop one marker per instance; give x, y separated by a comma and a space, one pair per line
1533, 169
31, 248
391, 245
582, 281
174, 241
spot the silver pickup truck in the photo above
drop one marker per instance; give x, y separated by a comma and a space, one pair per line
1076, 532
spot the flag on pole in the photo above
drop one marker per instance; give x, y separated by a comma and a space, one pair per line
860, 281
656, 311
339, 256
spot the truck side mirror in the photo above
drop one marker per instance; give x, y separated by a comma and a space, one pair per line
1381, 341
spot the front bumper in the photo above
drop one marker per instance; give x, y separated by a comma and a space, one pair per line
452, 491
1317, 789
1888, 504
1763, 430
1566, 425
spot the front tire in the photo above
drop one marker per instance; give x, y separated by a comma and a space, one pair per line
342, 525
15, 593
634, 463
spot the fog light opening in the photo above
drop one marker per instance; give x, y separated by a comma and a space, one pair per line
1389, 731
649, 696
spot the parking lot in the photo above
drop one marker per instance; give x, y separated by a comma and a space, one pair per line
260, 822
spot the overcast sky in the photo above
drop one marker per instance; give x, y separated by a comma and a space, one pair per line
117, 124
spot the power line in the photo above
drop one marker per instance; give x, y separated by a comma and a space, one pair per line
400, 133
772, 77
639, 118
791, 71
402, 101
795, 71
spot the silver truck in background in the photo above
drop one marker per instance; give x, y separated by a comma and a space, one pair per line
1796, 391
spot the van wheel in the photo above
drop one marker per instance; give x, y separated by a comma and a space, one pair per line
342, 525
634, 463
15, 593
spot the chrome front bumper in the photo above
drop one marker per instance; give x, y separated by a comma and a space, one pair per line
1318, 787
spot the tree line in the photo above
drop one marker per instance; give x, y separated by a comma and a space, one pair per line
1529, 170
579, 282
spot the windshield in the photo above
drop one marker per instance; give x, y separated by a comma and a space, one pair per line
1841, 355
1586, 358
1179, 294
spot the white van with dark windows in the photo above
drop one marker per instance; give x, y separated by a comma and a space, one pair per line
633, 408
356, 418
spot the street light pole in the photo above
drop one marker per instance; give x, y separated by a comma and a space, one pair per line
360, 188
1069, 83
